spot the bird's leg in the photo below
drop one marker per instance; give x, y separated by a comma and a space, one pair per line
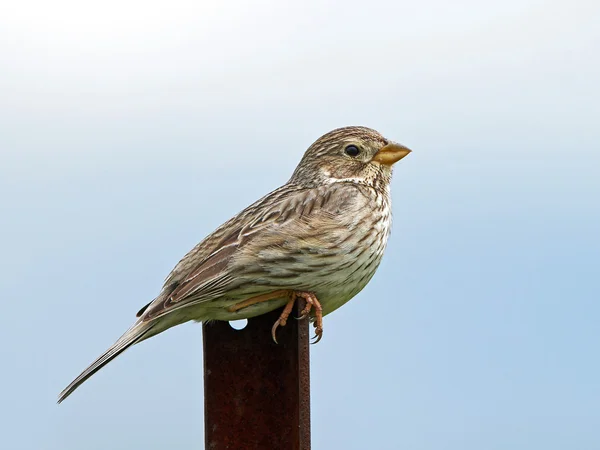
283, 293
313, 302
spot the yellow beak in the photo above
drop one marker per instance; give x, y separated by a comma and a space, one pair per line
391, 154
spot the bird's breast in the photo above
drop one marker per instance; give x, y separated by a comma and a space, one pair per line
356, 264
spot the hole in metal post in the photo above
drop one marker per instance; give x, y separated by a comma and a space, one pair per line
238, 324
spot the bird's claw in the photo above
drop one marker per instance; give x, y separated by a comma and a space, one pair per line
318, 331
274, 331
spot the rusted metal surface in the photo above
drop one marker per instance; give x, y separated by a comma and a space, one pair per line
256, 392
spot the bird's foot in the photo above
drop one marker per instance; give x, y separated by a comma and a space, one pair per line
311, 303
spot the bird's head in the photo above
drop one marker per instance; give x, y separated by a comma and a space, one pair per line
355, 154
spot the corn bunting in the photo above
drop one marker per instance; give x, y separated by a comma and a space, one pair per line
319, 237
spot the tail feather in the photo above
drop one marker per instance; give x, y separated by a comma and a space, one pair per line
135, 334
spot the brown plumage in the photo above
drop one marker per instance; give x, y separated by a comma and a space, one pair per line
321, 235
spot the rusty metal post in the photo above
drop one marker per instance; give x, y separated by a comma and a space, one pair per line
256, 392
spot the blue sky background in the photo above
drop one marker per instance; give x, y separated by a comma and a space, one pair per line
130, 130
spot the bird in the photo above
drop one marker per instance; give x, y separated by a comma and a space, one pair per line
319, 237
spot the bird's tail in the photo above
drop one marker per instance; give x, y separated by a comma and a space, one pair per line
138, 332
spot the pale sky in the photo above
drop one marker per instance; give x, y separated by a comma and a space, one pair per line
130, 130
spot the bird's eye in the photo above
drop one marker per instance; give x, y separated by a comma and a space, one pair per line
352, 150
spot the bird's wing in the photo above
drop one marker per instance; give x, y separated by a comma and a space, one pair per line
211, 269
